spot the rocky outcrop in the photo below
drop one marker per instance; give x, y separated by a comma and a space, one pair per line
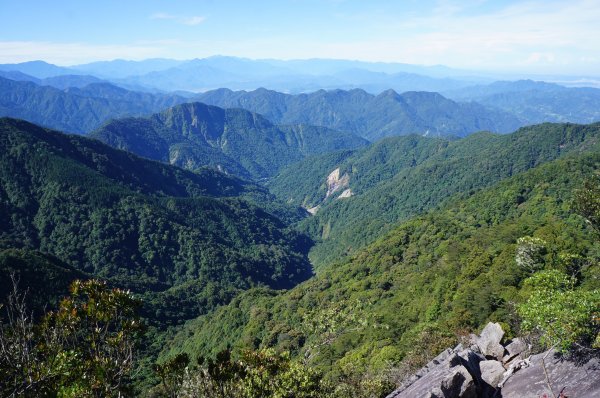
335, 182
492, 372
313, 210
574, 378
346, 194
489, 341
489, 368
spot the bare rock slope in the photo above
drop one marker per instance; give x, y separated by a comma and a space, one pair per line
491, 367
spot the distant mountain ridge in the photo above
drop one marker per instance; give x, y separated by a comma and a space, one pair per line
76, 110
241, 73
246, 144
37, 69
536, 101
369, 116
470, 103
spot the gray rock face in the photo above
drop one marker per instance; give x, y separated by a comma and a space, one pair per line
459, 383
492, 372
489, 341
516, 347
577, 379
453, 373
466, 373
428, 381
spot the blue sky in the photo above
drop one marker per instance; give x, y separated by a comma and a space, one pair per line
522, 36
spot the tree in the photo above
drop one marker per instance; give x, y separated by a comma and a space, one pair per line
83, 349
171, 373
563, 315
262, 373
587, 201
530, 253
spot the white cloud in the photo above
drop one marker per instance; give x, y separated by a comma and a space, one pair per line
162, 15
192, 21
183, 20
535, 35
524, 34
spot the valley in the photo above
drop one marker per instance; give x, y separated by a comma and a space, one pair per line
321, 237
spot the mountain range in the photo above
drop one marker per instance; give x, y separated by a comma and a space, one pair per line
77, 110
83, 109
241, 73
81, 103
237, 141
339, 232
370, 116
536, 101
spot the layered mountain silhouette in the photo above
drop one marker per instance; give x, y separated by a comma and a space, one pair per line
234, 140
76, 109
370, 116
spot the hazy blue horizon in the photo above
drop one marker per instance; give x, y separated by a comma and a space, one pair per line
529, 37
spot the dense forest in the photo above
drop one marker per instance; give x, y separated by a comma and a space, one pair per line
148, 279
143, 225
411, 293
209, 199
399, 177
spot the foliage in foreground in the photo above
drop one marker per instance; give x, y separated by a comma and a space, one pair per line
256, 374
562, 314
83, 349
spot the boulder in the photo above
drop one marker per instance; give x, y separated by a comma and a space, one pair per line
470, 360
492, 372
465, 373
459, 384
515, 348
444, 376
489, 341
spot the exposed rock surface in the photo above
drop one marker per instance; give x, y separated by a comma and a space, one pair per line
335, 182
346, 194
484, 370
492, 372
489, 341
514, 349
314, 210
459, 383
575, 380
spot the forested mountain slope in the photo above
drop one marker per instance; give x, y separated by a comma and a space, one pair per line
408, 295
76, 109
399, 177
140, 224
234, 140
369, 116
535, 101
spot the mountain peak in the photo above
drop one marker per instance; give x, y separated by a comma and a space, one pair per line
389, 93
